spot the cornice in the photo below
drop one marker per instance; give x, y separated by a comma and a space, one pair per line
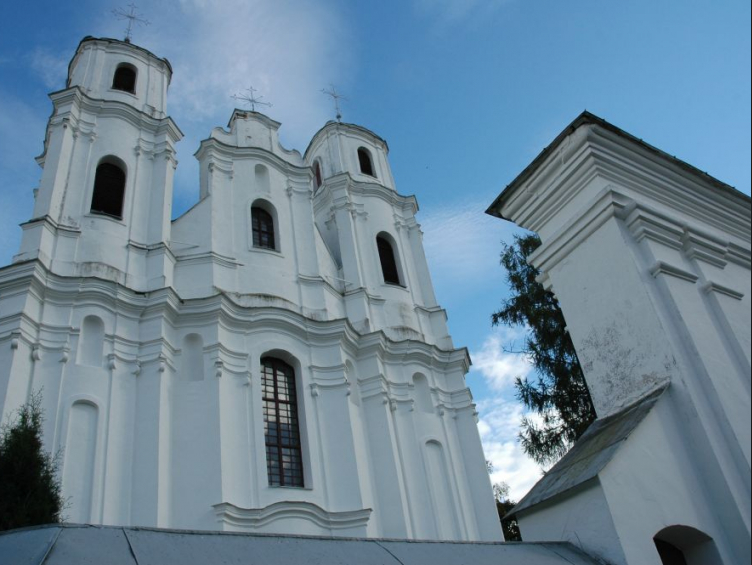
257, 517
77, 98
642, 222
642, 173
214, 147
338, 128
166, 304
343, 182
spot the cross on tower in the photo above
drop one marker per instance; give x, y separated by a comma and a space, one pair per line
251, 98
132, 17
336, 96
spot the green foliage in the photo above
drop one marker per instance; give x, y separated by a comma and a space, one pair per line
559, 394
29, 487
509, 527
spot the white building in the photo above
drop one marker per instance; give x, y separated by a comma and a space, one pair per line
274, 360
650, 261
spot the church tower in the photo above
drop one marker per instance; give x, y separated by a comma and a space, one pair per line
104, 202
273, 360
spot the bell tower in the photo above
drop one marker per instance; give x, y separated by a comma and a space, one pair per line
104, 201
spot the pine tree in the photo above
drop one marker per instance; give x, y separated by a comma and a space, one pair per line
558, 394
29, 487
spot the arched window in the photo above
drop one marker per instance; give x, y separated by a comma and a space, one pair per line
317, 174
263, 228
109, 189
125, 78
366, 164
388, 261
284, 462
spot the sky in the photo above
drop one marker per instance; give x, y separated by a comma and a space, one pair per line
466, 93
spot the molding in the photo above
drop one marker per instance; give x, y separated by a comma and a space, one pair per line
663, 268
711, 286
166, 305
252, 518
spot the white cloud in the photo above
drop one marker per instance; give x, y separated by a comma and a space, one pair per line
501, 413
288, 50
497, 361
498, 425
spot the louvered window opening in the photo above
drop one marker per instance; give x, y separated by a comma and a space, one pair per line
124, 79
388, 262
364, 159
263, 229
109, 189
284, 463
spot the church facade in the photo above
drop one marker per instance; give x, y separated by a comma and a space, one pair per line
273, 360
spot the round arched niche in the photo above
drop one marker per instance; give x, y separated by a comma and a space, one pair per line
91, 342
685, 545
423, 400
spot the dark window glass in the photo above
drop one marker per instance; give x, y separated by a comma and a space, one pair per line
317, 172
109, 189
263, 228
364, 158
388, 262
284, 463
125, 79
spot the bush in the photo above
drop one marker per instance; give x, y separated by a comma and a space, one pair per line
29, 484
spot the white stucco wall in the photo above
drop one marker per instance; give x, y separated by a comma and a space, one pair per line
650, 261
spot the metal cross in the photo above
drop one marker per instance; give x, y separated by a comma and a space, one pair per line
251, 99
336, 96
132, 17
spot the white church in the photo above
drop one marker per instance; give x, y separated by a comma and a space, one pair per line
273, 363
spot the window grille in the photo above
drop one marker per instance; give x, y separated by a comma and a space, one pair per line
284, 463
263, 228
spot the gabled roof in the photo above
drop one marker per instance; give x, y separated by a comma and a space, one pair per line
109, 545
587, 118
591, 454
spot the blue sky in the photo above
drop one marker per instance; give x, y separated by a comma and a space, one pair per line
466, 92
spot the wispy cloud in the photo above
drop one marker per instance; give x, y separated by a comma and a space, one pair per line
462, 242
51, 66
454, 11
288, 50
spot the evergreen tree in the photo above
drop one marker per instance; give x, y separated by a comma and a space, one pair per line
29, 487
558, 394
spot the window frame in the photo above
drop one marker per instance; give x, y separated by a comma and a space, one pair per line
269, 229
284, 474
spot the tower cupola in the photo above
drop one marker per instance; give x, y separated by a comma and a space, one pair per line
109, 69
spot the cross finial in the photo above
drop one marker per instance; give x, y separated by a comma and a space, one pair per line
251, 98
133, 18
336, 96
